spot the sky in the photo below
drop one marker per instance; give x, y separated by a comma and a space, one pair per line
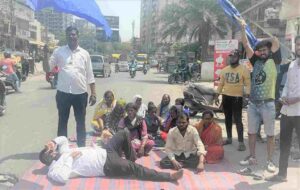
128, 11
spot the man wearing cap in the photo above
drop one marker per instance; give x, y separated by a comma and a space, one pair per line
233, 80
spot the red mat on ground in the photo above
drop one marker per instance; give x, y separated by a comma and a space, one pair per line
216, 176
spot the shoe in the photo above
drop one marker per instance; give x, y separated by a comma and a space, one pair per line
249, 160
228, 141
245, 171
271, 166
241, 147
276, 178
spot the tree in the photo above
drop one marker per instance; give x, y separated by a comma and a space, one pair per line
198, 19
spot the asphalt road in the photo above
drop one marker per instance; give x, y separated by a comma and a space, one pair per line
31, 120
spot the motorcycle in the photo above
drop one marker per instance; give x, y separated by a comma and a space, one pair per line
199, 98
175, 77
132, 71
145, 70
10, 83
52, 77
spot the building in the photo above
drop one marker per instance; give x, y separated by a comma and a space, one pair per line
15, 23
114, 23
151, 31
55, 22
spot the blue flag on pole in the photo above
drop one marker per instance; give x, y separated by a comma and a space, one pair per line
87, 9
232, 13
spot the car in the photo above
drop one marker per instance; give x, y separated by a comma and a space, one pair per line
123, 66
100, 66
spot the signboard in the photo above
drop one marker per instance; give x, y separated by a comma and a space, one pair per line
222, 50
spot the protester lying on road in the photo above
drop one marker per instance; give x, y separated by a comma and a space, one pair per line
65, 163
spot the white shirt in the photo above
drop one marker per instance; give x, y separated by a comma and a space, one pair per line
188, 144
89, 164
75, 69
292, 89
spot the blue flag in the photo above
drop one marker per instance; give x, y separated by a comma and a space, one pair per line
87, 9
232, 13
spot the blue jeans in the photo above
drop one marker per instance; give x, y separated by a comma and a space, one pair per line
257, 112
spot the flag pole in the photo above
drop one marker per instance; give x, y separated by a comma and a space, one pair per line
266, 32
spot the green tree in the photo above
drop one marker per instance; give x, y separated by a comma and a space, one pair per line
198, 19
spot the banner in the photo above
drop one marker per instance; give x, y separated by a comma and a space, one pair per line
222, 50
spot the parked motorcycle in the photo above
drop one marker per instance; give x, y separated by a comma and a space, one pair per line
199, 98
52, 77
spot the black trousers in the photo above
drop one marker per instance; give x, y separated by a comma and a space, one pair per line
233, 109
115, 166
64, 101
191, 162
287, 125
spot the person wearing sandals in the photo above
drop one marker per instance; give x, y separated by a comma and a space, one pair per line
262, 95
290, 115
234, 78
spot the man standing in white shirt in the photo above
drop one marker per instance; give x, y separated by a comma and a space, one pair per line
75, 74
65, 163
290, 114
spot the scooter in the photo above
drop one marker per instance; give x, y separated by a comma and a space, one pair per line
52, 77
145, 70
132, 72
10, 84
199, 98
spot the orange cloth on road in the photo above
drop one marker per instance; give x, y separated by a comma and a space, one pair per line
212, 139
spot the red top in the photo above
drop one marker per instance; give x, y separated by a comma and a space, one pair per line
9, 63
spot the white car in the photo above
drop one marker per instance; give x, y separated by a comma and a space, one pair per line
123, 66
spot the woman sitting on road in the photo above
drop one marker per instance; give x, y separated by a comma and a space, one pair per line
138, 130
211, 135
142, 108
164, 106
102, 111
171, 120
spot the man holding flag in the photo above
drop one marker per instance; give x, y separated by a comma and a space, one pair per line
264, 58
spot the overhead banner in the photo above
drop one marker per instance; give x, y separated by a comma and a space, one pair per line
222, 50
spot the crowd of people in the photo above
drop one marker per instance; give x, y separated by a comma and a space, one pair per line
134, 128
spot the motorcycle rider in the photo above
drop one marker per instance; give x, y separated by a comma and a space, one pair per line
8, 67
133, 65
183, 69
